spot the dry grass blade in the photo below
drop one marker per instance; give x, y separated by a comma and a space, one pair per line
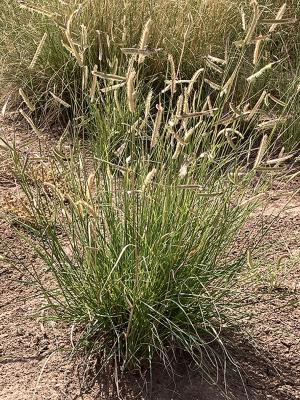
200, 187
177, 151
190, 186
250, 262
229, 140
247, 201
174, 134
85, 76
178, 81
243, 16
230, 131
207, 106
277, 101
4, 145
236, 110
166, 89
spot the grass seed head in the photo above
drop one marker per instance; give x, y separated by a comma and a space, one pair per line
193, 81
157, 125
149, 179
147, 110
183, 171
60, 101
177, 151
173, 74
261, 151
94, 84
256, 108
144, 40
130, 90
26, 100
257, 74
256, 52
253, 23
38, 51
31, 123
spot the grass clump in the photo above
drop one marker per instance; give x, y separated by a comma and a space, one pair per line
140, 262
137, 227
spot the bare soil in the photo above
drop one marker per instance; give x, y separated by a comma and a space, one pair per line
35, 361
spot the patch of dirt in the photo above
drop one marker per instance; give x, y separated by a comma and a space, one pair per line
35, 360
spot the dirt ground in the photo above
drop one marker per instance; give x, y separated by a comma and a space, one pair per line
35, 361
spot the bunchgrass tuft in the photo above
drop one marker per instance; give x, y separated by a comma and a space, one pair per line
139, 255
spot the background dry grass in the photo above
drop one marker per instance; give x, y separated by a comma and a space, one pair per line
187, 29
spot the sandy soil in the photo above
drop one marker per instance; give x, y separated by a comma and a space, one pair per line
35, 360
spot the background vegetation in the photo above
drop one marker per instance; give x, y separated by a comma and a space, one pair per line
189, 30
